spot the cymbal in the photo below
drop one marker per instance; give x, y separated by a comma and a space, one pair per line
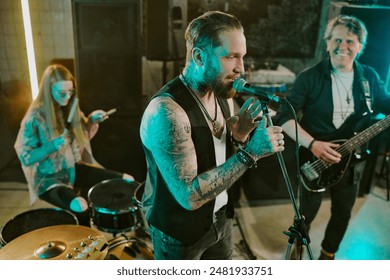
61, 242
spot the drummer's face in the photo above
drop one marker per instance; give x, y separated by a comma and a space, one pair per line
62, 91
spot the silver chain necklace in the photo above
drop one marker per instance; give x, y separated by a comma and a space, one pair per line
217, 127
343, 113
348, 92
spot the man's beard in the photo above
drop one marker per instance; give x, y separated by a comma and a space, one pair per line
222, 90
216, 84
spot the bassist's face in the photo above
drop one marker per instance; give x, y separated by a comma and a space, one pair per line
343, 46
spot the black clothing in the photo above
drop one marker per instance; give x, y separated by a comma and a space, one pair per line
311, 97
167, 214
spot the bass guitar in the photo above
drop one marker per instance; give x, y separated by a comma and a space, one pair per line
317, 175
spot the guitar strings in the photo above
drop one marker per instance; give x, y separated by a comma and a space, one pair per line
345, 148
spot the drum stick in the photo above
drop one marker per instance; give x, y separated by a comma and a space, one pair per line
110, 112
72, 112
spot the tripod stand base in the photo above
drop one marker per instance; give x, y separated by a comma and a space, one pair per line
297, 252
299, 237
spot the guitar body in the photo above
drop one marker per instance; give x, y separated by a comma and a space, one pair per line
317, 175
328, 177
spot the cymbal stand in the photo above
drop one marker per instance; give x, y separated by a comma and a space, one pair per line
297, 232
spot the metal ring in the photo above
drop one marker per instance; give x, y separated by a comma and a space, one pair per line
279, 142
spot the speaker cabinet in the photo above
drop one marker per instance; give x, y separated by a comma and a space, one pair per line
165, 28
108, 52
377, 21
108, 66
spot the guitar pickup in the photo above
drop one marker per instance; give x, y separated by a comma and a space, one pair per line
309, 172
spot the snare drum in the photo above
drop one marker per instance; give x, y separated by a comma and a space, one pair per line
123, 248
111, 205
35, 219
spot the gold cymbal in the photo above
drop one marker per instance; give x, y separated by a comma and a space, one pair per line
62, 242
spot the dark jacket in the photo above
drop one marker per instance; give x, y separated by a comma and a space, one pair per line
311, 97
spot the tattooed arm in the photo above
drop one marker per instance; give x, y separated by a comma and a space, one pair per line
166, 132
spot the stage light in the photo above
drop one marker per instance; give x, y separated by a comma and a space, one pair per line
30, 48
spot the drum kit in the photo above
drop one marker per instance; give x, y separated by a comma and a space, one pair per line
118, 229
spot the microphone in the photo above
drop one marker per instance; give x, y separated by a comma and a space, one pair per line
241, 86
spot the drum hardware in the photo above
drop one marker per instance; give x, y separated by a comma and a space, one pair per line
142, 229
136, 242
128, 248
142, 233
62, 242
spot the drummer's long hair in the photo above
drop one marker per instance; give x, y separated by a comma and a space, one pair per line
54, 114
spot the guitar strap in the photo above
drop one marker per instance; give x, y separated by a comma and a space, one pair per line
365, 88
363, 151
367, 94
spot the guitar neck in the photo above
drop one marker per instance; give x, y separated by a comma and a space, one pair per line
349, 146
364, 136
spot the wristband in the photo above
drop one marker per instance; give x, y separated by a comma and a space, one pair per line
311, 144
239, 143
245, 158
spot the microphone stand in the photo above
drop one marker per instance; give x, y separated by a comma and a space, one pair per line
296, 232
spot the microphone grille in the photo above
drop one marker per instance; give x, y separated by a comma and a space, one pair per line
239, 84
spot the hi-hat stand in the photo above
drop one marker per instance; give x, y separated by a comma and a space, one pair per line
297, 232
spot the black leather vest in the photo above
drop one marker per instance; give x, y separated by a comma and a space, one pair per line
167, 215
